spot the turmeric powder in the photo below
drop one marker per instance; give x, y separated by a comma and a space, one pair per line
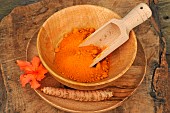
73, 62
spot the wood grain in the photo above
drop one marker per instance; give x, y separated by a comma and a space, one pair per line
163, 11
164, 18
23, 22
161, 22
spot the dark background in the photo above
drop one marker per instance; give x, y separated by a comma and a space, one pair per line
6, 6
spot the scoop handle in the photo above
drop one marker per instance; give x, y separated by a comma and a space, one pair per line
137, 16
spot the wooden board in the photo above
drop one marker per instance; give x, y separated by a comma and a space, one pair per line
21, 25
123, 87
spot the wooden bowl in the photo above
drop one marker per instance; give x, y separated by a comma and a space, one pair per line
82, 16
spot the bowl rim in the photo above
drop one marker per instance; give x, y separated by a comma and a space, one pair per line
89, 84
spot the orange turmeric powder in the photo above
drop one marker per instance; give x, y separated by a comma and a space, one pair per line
73, 62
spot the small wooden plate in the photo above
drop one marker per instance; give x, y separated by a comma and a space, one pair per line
122, 87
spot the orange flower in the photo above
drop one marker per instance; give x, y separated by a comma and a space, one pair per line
33, 72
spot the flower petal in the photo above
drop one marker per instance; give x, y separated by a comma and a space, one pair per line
40, 77
35, 62
34, 84
24, 79
40, 72
24, 65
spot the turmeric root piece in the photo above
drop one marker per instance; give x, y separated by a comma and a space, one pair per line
79, 95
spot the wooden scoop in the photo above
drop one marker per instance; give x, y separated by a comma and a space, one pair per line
116, 32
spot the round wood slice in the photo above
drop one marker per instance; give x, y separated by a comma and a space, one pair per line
123, 87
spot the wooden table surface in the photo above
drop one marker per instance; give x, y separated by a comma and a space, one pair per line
20, 25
